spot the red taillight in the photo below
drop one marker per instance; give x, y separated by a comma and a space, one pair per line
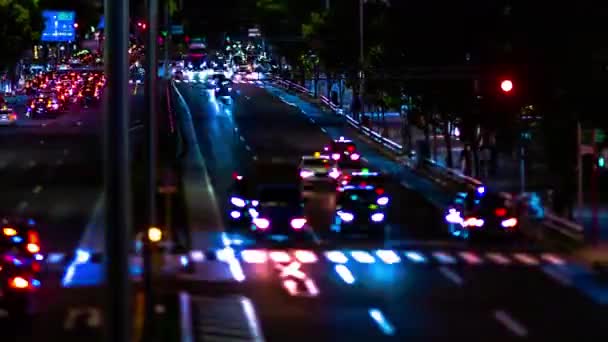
379, 191
500, 212
350, 148
363, 184
33, 237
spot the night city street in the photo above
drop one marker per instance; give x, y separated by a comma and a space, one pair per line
288, 170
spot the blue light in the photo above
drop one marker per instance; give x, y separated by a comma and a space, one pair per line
36, 282
31, 222
481, 190
415, 257
82, 256
345, 274
17, 239
183, 260
385, 326
17, 262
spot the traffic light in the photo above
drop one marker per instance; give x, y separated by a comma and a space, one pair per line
506, 86
601, 162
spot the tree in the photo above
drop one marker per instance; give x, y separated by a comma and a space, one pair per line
21, 26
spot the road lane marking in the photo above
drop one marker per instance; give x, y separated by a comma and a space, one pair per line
498, 258
526, 259
470, 258
451, 275
248, 147
242, 138
22, 205
323, 130
415, 257
557, 276
37, 189
383, 323
511, 324
552, 258
444, 258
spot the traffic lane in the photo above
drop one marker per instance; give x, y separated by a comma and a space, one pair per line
410, 216
416, 301
217, 136
52, 173
540, 305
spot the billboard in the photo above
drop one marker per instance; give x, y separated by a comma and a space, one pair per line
58, 26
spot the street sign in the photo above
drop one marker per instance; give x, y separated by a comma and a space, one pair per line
58, 26
177, 29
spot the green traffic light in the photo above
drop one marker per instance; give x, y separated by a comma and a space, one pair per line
601, 162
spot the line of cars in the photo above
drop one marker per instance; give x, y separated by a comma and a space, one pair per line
52, 93
275, 209
20, 265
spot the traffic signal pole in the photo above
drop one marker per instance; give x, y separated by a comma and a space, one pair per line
150, 124
116, 172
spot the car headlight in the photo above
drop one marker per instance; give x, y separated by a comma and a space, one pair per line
378, 217
239, 202
382, 200
345, 216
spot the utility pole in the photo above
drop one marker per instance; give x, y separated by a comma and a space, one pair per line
116, 172
150, 123
361, 53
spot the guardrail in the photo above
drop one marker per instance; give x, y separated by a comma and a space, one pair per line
440, 174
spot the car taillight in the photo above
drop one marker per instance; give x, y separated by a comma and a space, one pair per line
355, 156
500, 212
19, 283
473, 222
261, 223
32, 106
334, 174
379, 191
335, 156
350, 149
509, 223
33, 248
298, 223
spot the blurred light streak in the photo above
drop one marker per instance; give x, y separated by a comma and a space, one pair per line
336, 257
385, 326
363, 257
389, 257
345, 274
415, 257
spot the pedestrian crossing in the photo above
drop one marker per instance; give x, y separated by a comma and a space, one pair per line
224, 319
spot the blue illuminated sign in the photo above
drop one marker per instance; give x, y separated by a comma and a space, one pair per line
58, 26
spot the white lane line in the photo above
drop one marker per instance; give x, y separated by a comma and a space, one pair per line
242, 138
444, 258
511, 324
557, 276
22, 205
37, 189
247, 97
255, 157
526, 259
470, 258
323, 130
498, 258
385, 326
248, 147
451, 275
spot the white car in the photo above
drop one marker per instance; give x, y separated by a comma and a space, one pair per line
8, 117
317, 168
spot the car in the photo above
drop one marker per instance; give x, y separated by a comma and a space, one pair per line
360, 208
44, 104
279, 211
342, 148
239, 203
20, 266
88, 95
8, 116
365, 176
477, 213
223, 89
349, 166
317, 168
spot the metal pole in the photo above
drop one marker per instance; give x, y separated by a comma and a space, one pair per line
327, 4
579, 165
361, 54
522, 168
167, 24
150, 124
116, 172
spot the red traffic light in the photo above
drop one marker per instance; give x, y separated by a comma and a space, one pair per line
506, 86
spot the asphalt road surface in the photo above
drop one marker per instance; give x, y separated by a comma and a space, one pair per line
415, 285
51, 171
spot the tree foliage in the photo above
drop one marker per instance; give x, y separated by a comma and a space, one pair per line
20, 26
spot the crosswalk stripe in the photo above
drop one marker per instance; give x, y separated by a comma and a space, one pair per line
470, 258
415, 256
444, 258
552, 258
526, 259
498, 258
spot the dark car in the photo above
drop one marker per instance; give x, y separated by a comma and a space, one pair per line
20, 266
360, 209
223, 89
239, 203
45, 104
480, 213
342, 148
279, 210
88, 95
